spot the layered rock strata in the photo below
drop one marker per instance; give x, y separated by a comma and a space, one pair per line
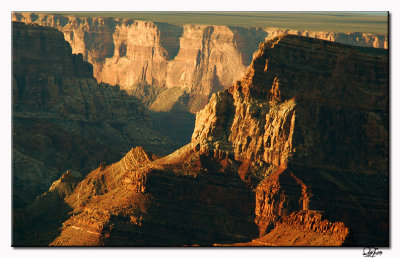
62, 118
296, 153
200, 58
181, 199
309, 124
185, 63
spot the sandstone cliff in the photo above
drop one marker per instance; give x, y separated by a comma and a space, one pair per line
182, 64
200, 58
296, 153
62, 118
291, 73
309, 124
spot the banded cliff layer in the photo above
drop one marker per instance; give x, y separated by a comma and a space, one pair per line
62, 118
296, 153
201, 59
310, 119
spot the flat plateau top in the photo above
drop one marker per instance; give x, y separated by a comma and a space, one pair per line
372, 22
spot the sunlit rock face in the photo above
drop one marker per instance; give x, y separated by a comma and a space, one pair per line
200, 58
308, 124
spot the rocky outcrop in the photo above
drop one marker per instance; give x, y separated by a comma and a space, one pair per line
143, 201
282, 80
200, 58
38, 223
62, 118
304, 122
303, 228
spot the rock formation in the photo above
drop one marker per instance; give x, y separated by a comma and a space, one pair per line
296, 153
202, 59
188, 62
309, 124
62, 118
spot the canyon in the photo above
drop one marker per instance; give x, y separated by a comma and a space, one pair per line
199, 59
172, 68
294, 153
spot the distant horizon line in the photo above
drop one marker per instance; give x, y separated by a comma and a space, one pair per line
327, 21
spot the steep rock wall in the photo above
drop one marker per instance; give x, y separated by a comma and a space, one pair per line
202, 59
308, 121
282, 80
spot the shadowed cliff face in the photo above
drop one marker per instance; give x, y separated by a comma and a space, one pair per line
49, 79
296, 153
62, 118
202, 59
